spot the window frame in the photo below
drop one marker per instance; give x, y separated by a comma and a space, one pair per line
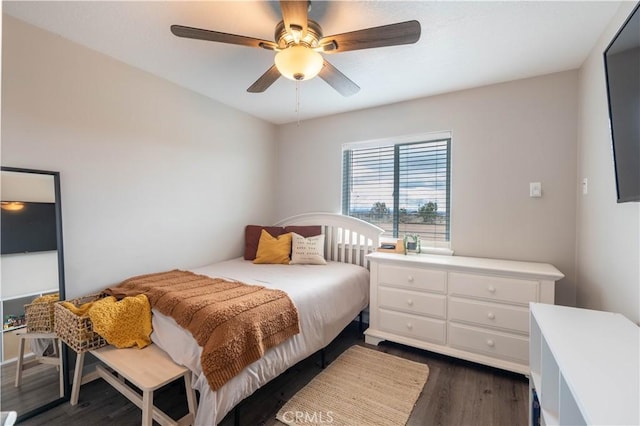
428, 245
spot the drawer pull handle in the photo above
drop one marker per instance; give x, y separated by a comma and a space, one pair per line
410, 278
490, 343
491, 315
491, 289
409, 302
410, 326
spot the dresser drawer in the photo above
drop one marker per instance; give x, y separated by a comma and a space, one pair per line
496, 344
493, 288
420, 328
416, 278
434, 305
513, 318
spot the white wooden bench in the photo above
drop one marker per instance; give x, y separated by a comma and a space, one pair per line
147, 369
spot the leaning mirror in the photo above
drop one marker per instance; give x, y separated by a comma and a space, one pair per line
32, 277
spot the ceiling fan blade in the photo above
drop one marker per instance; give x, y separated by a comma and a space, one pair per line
337, 80
387, 35
265, 80
208, 35
295, 16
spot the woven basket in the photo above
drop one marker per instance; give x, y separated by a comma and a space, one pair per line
77, 331
39, 317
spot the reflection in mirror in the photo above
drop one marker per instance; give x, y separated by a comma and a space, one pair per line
31, 265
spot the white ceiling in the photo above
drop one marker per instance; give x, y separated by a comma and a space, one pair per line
463, 45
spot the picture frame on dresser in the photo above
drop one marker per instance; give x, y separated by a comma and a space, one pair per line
475, 309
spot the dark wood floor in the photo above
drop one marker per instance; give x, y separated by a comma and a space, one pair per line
456, 393
40, 384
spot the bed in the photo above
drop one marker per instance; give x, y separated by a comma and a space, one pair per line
328, 297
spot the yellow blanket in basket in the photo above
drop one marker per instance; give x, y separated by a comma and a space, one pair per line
123, 323
47, 298
77, 310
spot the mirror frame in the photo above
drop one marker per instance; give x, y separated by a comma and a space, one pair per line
61, 287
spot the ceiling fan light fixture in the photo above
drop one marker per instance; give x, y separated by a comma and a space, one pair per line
12, 206
298, 62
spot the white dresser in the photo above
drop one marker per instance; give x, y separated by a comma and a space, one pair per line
470, 308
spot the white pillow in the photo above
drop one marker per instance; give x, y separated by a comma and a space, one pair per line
307, 251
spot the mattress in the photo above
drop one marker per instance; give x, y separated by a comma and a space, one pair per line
328, 297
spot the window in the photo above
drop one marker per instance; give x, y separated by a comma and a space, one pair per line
401, 187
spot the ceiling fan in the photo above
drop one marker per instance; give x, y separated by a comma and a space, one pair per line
299, 42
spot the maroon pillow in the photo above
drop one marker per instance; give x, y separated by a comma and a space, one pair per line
252, 238
305, 231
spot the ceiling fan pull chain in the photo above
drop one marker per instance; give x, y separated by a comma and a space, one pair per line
298, 101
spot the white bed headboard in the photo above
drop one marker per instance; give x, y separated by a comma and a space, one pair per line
347, 239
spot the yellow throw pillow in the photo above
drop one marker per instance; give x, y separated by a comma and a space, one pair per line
273, 250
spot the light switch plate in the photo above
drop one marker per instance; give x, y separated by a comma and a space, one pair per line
535, 189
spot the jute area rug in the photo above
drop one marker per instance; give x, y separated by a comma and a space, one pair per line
362, 387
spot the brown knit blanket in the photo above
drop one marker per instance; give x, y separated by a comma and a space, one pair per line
234, 323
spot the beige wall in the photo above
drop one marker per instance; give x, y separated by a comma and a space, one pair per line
504, 136
153, 176
608, 244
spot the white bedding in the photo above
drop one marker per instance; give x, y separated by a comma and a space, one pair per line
328, 297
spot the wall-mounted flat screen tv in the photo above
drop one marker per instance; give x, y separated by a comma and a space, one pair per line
622, 69
27, 227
